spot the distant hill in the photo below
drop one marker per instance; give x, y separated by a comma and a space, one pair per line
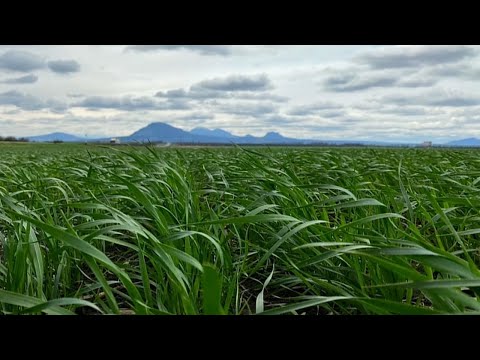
216, 132
271, 137
465, 142
156, 132
59, 136
274, 136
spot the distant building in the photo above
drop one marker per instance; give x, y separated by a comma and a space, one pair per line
426, 144
114, 141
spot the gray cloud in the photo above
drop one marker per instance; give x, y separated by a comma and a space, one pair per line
4, 122
460, 71
367, 106
279, 119
126, 103
311, 109
29, 102
324, 129
57, 107
223, 50
359, 79
305, 125
455, 101
20, 100
175, 94
332, 114
174, 105
467, 113
64, 66
130, 103
197, 94
205, 94
12, 112
235, 83
24, 61
27, 79
449, 70
246, 109
351, 82
236, 87
403, 110
261, 96
416, 81
196, 116
21, 61
433, 98
349, 120
415, 56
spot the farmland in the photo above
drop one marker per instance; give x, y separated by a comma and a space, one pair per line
254, 230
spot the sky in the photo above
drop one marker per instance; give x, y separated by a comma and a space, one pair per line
405, 93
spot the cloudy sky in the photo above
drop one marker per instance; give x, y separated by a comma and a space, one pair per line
390, 93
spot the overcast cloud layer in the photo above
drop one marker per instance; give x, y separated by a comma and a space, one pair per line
385, 93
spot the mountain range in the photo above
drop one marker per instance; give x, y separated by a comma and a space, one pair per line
465, 142
57, 136
161, 132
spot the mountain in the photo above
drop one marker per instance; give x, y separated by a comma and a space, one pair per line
465, 142
59, 136
269, 138
249, 138
155, 132
161, 132
273, 136
276, 137
216, 133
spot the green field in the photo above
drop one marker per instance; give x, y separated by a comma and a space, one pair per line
255, 230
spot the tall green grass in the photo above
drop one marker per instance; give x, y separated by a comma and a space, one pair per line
90, 230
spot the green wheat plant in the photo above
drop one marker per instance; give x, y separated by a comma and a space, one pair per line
232, 230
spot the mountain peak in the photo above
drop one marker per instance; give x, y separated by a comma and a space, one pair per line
158, 124
158, 131
218, 133
273, 135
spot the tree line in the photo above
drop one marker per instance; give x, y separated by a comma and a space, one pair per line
13, 139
